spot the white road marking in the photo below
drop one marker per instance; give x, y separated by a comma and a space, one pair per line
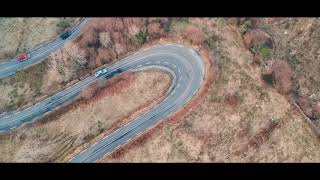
87, 84
164, 109
60, 98
139, 133
116, 130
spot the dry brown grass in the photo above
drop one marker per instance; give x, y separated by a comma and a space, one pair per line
261, 127
23, 88
101, 44
54, 138
25, 33
239, 120
297, 42
27, 86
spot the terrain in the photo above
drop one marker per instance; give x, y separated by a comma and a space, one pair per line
241, 119
101, 108
260, 69
22, 34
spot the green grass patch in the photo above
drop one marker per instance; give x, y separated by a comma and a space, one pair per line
264, 50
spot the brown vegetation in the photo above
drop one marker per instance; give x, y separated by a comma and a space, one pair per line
21, 34
176, 117
287, 75
255, 37
55, 136
309, 107
239, 118
263, 127
282, 75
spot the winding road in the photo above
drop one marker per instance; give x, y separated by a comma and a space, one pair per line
184, 64
10, 67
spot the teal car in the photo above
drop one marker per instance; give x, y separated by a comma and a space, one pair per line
65, 35
101, 72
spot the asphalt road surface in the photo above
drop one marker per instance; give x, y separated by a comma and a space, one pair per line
10, 67
185, 66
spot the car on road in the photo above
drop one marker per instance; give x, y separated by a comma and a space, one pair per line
65, 35
101, 72
23, 56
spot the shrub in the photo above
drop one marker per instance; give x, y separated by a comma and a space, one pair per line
141, 37
167, 25
184, 20
211, 41
283, 76
154, 30
256, 37
268, 78
62, 25
263, 49
246, 26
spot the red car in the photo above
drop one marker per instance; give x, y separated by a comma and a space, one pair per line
24, 56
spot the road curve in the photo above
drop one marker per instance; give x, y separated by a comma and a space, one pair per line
185, 66
10, 67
